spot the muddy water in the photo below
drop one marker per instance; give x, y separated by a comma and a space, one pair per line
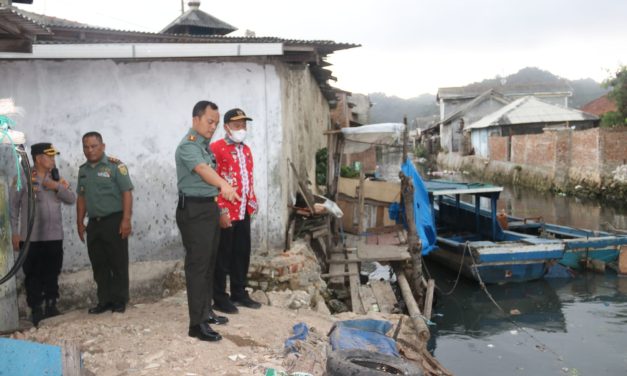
559, 327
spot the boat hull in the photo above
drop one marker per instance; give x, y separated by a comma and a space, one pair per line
495, 263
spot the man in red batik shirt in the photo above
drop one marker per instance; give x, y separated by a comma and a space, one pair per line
235, 165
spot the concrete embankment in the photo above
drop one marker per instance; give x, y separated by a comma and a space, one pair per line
612, 187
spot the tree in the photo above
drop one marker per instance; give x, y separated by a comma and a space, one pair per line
618, 93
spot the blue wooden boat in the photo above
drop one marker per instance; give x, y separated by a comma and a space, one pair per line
470, 238
580, 245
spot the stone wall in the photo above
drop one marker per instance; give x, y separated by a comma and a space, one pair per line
498, 148
585, 163
614, 143
566, 155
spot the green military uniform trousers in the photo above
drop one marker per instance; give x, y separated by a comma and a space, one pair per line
108, 254
198, 222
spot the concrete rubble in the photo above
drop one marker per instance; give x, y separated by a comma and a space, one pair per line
150, 338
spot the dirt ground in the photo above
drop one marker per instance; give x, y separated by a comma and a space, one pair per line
151, 339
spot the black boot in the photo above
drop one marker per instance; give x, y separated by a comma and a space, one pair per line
51, 308
37, 314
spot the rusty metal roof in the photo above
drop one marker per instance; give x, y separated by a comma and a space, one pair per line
108, 35
17, 23
308, 52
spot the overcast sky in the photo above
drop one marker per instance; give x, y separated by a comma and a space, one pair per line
408, 47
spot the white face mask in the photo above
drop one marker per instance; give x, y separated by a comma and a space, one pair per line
237, 136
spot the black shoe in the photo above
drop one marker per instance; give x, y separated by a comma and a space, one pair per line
215, 319
100, 308
204, 332
247, 302
37, 314
51, 308
118, 307
225, 306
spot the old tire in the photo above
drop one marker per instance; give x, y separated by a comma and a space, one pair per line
367, 363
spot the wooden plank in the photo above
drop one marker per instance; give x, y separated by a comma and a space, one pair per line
336, 268
381, 252
16, 45
384, 229
304, 190
71, 359
429, 298
349, 260
376, 190
382, 291
368, 299
356, 303
332, 275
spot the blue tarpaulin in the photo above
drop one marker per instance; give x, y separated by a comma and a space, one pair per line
363, 334
423, 216
301, 331
27, 358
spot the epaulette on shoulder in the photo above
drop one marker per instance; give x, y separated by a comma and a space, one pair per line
114, 160
83, 165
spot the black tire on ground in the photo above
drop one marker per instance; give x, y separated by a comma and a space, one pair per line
368, 363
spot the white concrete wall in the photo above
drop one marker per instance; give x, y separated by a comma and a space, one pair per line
143, 109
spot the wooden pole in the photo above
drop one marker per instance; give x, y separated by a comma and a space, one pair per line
360, 208
405, 138
413, 243
429, 299
414, 312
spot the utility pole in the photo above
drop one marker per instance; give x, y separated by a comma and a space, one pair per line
182, 7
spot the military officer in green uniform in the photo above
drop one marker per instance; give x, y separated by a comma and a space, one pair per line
104, 194
198, 215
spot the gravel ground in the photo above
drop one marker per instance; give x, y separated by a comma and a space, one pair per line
151, 339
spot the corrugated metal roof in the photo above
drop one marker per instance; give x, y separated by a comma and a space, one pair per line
114, 35
473, 103
203, 23
50, 21
530, 110
476, 89
22, 21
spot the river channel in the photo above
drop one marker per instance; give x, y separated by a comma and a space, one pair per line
559, 327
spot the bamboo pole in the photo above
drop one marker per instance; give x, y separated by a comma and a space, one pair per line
414, 312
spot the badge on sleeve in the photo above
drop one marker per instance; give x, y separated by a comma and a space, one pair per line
123, 170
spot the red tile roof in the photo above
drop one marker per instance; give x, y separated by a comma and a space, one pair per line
599, 106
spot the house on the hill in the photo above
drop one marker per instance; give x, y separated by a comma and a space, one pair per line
527, 115
138, 90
